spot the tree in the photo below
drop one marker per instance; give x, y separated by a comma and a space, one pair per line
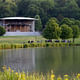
78, 2
77, 22
66, 32
75, 29
47, 4
67, 21
38, 23
8, 8
32, 10
45, 10
52, 30
22, 6
60, 3
72, 4
55, 19
2, 31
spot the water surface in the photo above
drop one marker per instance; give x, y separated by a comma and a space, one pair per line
62, 59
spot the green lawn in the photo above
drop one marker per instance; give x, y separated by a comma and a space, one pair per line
21, 39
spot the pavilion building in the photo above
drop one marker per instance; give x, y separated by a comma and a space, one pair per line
18, 26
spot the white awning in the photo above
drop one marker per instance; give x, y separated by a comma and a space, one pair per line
17, 18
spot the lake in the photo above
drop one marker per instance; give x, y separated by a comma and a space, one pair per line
61, 60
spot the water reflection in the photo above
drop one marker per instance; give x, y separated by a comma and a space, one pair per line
18, 59
61, 60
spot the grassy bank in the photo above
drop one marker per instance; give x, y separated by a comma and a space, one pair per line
9, 74
27, 45
11, 42
21, 39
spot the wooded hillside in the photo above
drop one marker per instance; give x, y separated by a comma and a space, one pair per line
45, 8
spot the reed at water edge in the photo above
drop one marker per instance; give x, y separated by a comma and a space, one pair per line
9, 74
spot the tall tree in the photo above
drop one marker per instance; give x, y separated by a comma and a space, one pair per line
22, 7
78, 2
8, 8
33, 10
38, 23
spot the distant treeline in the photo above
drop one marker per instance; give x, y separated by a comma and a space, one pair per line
44, 8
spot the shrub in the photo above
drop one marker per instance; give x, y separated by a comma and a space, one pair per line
2, 31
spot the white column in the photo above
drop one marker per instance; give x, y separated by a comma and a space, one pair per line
33, 26
10, 28
4, 23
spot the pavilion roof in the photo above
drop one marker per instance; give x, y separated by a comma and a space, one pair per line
17, 18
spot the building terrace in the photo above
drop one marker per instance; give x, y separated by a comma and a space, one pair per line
18, 24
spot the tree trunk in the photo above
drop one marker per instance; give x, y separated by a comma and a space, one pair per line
73, 40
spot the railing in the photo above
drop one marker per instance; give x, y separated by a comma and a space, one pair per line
25, 24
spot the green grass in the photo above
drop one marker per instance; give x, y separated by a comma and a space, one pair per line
11, 42
21, 39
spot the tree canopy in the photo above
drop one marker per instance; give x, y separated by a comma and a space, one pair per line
66, 32
7, 8
45, 8
38, 23
52, 30
75, 29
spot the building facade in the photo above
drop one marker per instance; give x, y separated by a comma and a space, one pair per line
18, 25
